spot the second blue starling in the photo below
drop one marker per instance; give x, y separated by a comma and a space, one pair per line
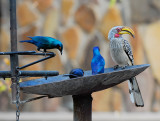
98, 62
43, 42
74, 73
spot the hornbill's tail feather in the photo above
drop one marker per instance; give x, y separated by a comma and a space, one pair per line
135, 93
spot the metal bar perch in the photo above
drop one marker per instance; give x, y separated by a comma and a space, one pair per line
26, 53
7, 74
37, 73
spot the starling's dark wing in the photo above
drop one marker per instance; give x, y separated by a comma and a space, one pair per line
97, 64
101, 65
128, 50
42, 40
45, 40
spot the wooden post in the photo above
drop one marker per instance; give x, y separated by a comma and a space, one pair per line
82, 107
14, 57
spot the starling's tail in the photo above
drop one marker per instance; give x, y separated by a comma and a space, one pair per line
135, 93
28, 41
67, 74
71, 75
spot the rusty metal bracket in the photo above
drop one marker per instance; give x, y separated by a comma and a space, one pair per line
50, 55
43, 59
31, 99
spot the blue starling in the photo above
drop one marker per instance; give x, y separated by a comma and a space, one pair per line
98, 62
74, 73
43, 42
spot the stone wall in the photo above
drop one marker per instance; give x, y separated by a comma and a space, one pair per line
81, 25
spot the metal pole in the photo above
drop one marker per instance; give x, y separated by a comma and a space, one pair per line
13, 36
82, 107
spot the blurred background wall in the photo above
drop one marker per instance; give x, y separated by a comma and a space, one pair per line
81, 25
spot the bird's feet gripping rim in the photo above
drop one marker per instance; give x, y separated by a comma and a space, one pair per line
123, 67
48, 52
131, 91
116, 67
45, 52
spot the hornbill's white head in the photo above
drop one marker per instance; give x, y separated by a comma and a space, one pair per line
117, 31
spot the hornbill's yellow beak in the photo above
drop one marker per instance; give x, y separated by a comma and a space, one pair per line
127, 30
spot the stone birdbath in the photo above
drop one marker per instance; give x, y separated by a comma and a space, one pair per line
80, 88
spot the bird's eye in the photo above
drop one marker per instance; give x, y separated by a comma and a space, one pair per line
118, 29
59, 47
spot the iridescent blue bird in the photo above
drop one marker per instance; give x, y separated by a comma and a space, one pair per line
74, 73
98, 62
43, 42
